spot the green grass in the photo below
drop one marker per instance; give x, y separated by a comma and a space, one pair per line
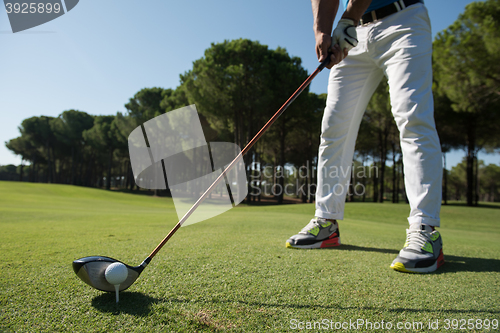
232, 272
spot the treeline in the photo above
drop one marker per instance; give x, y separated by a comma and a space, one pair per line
466, 65
238, 85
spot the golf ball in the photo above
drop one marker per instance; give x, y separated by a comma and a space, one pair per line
116, 273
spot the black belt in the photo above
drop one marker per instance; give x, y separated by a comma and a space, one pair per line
385, 11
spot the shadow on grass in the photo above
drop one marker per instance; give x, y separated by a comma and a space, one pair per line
455, 264
148, 193
452, 264
133, 303
331, 306
346, 247
357, 308
139, 305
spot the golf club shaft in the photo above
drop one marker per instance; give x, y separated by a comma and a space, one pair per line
239, 157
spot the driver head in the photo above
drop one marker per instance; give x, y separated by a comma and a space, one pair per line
91, 271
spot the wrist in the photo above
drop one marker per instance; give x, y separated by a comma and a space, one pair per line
320, 30
320, 35
353, 21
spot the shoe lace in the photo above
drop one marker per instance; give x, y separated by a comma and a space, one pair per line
416, 239
311, 225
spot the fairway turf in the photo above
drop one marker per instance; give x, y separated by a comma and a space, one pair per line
232, 272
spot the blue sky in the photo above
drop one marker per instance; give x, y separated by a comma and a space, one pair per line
98, 55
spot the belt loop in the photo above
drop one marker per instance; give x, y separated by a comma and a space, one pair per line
374, 16
402, 4
398, 7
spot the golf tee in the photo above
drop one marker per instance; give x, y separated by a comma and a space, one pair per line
117, 291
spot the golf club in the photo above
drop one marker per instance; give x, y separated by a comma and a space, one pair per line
91, 270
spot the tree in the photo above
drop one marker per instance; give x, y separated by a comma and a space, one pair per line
490, 183
8, 172
303, 143
174, 99
467, 71
449, 127
40, 140
146, 104
457, 179
102, 137
239, 84
18, 147
68, 129
225, 85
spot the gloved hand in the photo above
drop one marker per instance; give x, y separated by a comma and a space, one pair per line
345, 35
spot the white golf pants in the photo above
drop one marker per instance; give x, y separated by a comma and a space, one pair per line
399, 47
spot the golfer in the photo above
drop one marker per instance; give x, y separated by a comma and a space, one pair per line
373, 39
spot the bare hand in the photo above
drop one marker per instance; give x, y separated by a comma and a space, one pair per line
324, 48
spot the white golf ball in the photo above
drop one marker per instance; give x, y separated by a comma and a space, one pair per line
116, 273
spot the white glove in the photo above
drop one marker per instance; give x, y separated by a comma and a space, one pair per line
345, 35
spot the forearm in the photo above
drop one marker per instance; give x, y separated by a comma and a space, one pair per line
324, 12
356, 9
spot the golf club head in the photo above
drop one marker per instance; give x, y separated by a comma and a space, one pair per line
91, 271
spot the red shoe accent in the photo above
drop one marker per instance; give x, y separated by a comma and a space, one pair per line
440, 259
332, 241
